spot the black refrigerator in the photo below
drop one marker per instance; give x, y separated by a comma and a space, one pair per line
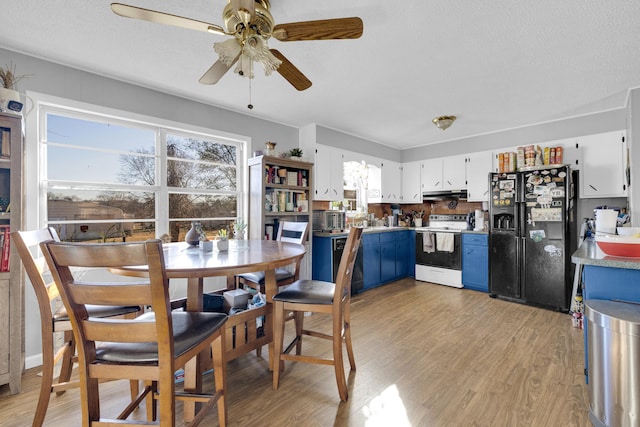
532, 223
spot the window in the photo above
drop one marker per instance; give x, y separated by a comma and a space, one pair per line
108, 177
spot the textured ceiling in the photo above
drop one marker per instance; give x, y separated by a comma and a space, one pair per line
495, 64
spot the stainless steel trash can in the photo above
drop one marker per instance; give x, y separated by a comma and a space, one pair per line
613, 346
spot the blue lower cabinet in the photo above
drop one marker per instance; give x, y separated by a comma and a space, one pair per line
387, 256
475, 261
371, 247
405, 255
321, 262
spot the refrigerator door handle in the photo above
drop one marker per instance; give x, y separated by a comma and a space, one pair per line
520, 187
522, 256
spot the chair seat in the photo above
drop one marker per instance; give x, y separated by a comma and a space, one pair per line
189, 329
307, 292
258, 276
61, 314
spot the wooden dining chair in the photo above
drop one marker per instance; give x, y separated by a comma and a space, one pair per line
54, 319
151, 347
316, 296
289, 231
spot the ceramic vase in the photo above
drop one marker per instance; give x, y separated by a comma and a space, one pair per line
223, 245
193, 235
239, 234
269, 148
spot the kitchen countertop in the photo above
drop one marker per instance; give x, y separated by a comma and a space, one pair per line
590, 254
366, 230
380, 230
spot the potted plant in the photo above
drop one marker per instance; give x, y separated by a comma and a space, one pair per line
295, 153
9, 96
240, 226
223, 241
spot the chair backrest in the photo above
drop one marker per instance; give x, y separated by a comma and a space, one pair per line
72, 266
27, 244
292, 232
345, 269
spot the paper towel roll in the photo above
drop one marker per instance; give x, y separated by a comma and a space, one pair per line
479, 224
606, 221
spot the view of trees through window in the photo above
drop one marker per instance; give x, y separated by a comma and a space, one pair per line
110, 180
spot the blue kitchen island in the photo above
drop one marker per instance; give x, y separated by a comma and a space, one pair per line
610, 348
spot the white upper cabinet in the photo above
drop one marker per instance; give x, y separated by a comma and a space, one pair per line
454, 173
431, 174
411, 186
444, 173
603, 170
391, 181
328, 173
478, 166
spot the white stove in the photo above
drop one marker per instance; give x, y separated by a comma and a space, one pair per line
435, 264
454, 223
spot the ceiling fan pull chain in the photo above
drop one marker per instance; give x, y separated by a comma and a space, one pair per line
250, 106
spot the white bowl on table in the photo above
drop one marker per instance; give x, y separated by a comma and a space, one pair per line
629, 231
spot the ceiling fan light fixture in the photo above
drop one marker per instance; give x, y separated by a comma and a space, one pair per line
228, 50
443, 122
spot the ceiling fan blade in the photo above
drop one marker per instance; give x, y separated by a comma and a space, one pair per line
291, 73
326, 29
165, 18
216, 71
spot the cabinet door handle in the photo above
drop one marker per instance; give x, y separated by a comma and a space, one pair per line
437, 183
594, 188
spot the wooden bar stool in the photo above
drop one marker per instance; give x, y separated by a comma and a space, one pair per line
319, 297
151, 347
54, 318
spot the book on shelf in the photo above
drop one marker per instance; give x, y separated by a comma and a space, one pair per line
5, 246
5, 149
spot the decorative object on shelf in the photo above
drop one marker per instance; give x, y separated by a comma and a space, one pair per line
444, 122
223, 241
240, 227
282, 176
295, 154
195, 234
270, 148
9, 95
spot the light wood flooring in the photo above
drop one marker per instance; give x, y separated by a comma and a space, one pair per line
426, 355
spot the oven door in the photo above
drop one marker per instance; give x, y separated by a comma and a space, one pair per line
439, 258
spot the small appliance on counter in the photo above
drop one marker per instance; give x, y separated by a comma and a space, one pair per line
471, 221
329, 221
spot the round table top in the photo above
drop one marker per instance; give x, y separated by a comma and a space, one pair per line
184, 261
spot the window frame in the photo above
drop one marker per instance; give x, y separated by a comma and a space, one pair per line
35, 173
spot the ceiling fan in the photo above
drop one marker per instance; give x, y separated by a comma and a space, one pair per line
251, 25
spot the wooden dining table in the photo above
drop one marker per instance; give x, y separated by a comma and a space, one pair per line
183, 261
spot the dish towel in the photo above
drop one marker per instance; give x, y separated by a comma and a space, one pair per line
427, 242
444, 242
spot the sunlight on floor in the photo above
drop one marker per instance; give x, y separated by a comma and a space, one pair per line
386, 409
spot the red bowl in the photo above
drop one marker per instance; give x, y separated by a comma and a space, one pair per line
619, 246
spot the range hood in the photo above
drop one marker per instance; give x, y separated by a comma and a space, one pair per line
444, 195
